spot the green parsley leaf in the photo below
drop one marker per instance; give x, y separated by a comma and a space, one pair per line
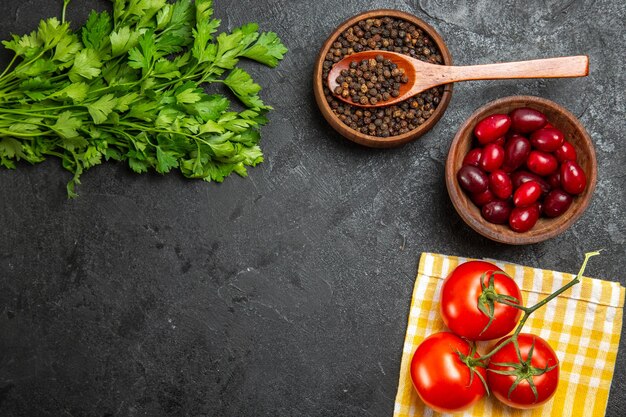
74, 143
141, 56
77, 92
164, 68
67, 124
11, 148
124, 102
95, 33
101, 109
51, 31
267, 50
86, 66
66, 51
244, 88
91, 157
26, 46
23, 128
166, 161
123, 40
164, 16
210, 107
35, 68
188, 96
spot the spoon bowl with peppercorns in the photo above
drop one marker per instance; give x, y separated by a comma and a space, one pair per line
392, 125
382, 78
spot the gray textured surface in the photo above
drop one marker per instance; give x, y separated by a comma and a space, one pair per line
285, 294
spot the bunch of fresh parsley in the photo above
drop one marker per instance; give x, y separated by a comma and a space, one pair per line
130, 88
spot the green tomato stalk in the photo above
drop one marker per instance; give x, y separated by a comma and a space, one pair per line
530, 310
523, 370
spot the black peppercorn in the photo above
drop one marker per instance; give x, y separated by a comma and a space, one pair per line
385, 33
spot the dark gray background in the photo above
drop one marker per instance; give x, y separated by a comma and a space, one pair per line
284, 294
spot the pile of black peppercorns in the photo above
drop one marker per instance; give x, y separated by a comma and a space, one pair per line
371, 81
387, 34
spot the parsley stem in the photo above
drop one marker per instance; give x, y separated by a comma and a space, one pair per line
57, 154
143, 129
8, 66
12, 75
23, 135
65, 3
8, 84
25, 113
32, 122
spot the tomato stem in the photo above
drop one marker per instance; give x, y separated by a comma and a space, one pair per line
489, 296
570, 284
530, 310
472, 363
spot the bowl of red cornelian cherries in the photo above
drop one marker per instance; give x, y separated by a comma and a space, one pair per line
521, 170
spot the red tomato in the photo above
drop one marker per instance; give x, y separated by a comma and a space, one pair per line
441, 378
543, 357
460, 295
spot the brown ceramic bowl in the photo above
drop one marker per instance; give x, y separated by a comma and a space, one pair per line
358, 137
545, 228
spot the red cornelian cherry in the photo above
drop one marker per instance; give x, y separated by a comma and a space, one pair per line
526, 120
496, 212
556, 203
566, 152
542, 163
523, 219
493, 157
573, 178
547, 140
482, 198
491, 128
520, 177
473, 157
500, 183
527, 194
472, 179
516, 151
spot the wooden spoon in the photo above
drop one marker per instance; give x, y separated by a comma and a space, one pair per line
423, 75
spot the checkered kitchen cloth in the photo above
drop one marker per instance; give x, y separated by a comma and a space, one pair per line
583, 326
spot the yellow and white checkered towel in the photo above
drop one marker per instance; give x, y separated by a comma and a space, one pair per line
582, 325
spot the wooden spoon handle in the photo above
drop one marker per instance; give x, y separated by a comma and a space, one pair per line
570, 66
